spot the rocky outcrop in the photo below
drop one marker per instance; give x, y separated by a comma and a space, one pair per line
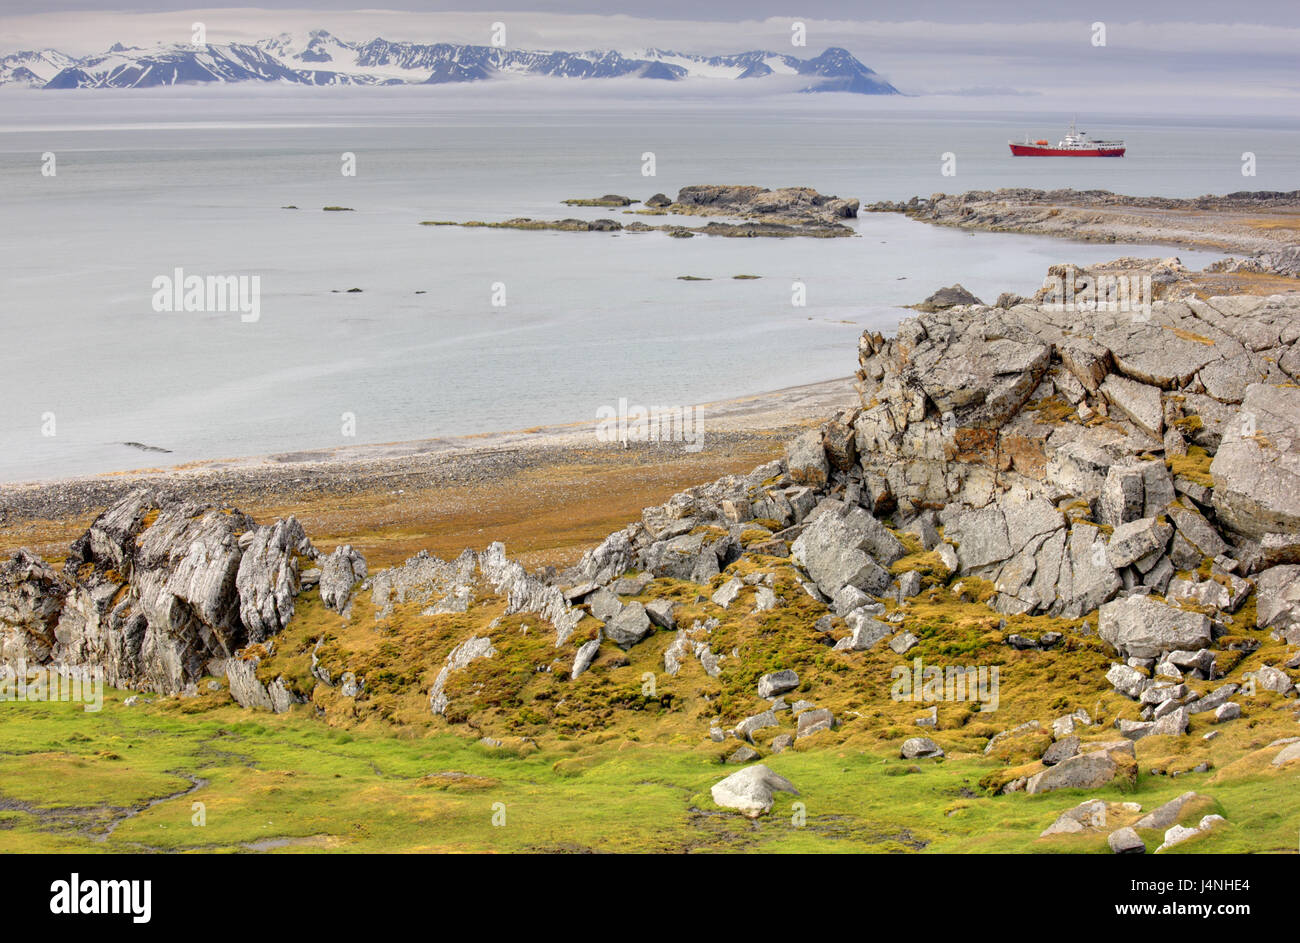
340, 572
789, 203
1278, 606
527, 593
156, 593
268, 576
979, 410
457, 659
1088, 468
248, 690
1102, 216
31, 601
948, 297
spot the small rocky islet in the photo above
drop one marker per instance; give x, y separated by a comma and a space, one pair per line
781, 213
1107, 509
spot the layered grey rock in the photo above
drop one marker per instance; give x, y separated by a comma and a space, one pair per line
585, 656
864, 632
1126, 841
843, 551
1167, 814
1083, 817
604, 604
756, 722
814, 721
153, 593
1278, 603
980, 535
268, 576
1257, 467
806, 459
1140, 627
31, 601
1137, 401
340, 572
1136, 540
1197, 531
527, 593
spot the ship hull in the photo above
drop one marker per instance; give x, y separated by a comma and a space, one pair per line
1039, 150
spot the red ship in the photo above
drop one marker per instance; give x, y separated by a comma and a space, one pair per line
1076, 144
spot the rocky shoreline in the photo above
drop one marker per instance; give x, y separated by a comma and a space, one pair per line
1098, 505
342, 476
1262, 226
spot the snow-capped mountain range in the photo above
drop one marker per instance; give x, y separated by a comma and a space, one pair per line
319, 58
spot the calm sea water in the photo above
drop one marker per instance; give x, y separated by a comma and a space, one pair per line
148, 182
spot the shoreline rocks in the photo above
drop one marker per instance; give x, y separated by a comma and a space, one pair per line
1102, 216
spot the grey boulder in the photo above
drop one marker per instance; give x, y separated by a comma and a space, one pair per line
1141, 627
750, 791
777, 682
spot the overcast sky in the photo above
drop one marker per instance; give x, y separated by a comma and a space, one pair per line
1266, 12
1187, 53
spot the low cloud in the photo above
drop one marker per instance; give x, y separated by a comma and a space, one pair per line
1183, 66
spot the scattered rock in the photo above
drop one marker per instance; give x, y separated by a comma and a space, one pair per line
743, 754
903, 643
814, 721
1083, 817
1084, 771
586, 655
750, 790
777, 682
728, 592
630, 626
1061, 750
1126, 841
920, 748
1179, 834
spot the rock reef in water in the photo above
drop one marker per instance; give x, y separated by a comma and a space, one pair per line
792, 211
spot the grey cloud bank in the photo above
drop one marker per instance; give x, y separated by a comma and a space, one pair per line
1177, 62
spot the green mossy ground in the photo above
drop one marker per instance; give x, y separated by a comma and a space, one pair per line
290, 783
620, 759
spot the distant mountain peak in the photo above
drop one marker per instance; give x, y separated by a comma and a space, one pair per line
318, 57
